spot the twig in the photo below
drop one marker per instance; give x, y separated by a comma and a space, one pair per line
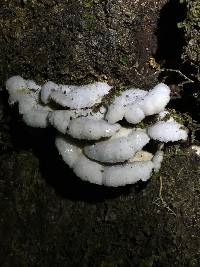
162, 200
188, 80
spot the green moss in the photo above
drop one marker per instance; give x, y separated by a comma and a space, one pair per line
90, 3
174, 114
89, 16
141, 124
124, 60
89, 21
191, 27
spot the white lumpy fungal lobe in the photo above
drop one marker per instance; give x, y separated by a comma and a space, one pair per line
27, 94
120, 175
85, 128
166, 131
69, 151
136, 104
99, 173
60, 119
117, 149
75, 97
119, 107
95, 144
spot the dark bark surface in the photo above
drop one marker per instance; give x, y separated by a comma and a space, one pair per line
48, 216
79, 41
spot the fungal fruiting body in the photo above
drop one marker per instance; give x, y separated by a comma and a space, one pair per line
95, 144
102, 174
136, 104
117, 149
27, 94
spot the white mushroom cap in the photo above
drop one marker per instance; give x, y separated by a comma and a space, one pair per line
36, 118
20, 89
47, 90
129, 173
32, 85
60, 119
82, 96
90, 129
156, 99
166, 131
84, 168
69, 151
15, 85
98, 173
117, 110
89, 170
139, 104
27, 101
134, 114
157, 160
117, 149
26, 93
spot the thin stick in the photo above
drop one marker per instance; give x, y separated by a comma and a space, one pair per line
162, 200
188, 80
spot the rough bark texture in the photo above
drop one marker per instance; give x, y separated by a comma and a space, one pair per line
191, 52
48, 216
79, 41
191, 26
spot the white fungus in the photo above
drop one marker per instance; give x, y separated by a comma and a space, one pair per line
81, 96
32, 85
129, 173
60, 119
138, 105
47, 90
50, 88
83, 167
15, 86
157, 160
117, 109
89, 170
26, 94
196, 149
69, 151
98, 173
89, 129
98, 149
166, 131
117, 149
36, 118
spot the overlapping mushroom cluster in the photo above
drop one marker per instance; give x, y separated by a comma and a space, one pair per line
95, 144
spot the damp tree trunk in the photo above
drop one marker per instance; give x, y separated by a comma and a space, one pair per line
48, 216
